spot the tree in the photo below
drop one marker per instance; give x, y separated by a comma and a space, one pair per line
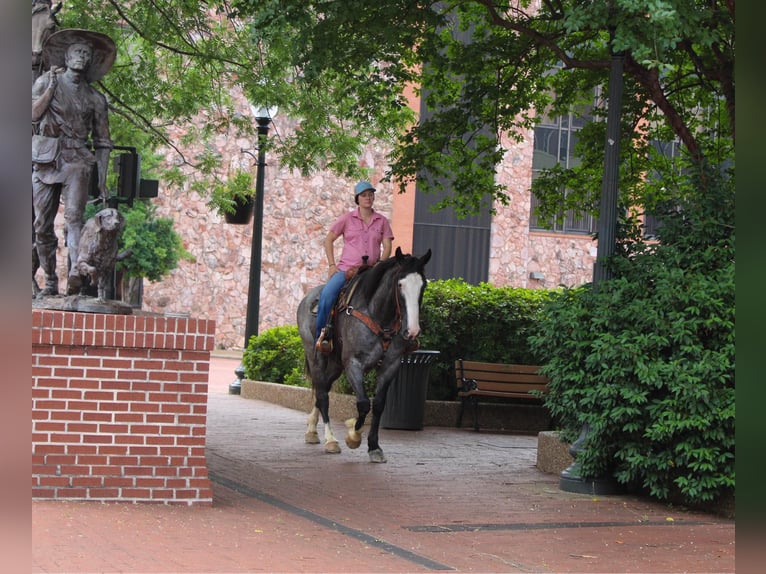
341, 70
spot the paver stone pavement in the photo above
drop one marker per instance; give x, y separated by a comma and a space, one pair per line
448, 499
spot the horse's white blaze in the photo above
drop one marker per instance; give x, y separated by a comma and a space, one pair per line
410, 286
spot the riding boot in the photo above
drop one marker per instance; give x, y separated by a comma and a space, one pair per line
324, 342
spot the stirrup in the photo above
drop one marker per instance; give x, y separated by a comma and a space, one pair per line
324, 342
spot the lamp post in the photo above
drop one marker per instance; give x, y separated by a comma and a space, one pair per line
571, 479
263, 116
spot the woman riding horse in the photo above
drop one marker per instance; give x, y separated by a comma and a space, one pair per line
378, 320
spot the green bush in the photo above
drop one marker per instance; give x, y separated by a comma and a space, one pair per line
276, 356
478, 322
156, 247
647, 358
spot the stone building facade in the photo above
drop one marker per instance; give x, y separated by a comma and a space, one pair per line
297, 213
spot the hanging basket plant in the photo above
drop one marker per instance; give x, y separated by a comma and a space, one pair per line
243, 211
235, 198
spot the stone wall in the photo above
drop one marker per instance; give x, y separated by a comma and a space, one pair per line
298, 211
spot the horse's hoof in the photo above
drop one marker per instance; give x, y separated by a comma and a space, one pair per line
377, 456
353, 436
312, 437
332, 447
353, 440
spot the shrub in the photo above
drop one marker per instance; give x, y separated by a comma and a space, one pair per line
478, 322
647, 358
276, 356
156, 247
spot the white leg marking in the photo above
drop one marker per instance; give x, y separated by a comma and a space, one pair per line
330, 442
353, 437
311, 427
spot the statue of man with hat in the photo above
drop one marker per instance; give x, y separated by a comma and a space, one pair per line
68, 117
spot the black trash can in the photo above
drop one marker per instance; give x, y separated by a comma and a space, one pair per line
406, 399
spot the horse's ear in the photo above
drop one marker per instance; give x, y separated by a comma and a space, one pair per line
425, 258
398, 254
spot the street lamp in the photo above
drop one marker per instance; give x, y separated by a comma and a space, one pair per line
263, 116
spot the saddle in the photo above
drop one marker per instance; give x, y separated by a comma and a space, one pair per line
346, 292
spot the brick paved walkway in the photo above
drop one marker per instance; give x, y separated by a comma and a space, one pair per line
448, 499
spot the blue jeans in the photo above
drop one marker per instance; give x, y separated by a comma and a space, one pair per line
327, 299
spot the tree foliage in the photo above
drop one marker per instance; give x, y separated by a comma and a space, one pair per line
341, 71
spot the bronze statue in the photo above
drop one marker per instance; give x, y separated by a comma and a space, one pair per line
66, 112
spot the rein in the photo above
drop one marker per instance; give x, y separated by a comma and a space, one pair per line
386, 335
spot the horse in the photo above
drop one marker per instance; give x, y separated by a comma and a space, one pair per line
377, 320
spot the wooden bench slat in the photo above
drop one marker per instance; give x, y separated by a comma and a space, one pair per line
502, 394
502, 377
497, 367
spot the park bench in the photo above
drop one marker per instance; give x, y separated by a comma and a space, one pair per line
478, 379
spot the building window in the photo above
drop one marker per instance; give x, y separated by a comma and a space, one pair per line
555, 140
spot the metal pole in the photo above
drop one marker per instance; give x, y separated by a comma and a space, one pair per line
607, 218
570, 479
254, 285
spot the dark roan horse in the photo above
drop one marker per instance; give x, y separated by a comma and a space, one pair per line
377, 321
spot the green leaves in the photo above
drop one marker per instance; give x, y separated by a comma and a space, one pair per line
341, 72
276, 356
156, 247
478, 322
648, 359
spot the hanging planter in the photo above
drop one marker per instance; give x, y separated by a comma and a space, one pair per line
243, 211
234, 198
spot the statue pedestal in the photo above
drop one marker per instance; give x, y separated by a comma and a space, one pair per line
119, 407
82, 304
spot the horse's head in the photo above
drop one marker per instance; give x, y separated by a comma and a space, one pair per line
412, 283
43, 24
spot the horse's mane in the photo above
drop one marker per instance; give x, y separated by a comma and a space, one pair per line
372, 279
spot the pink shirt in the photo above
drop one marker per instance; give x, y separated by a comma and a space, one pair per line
360, 239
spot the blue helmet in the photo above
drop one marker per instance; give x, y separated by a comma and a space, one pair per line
363, 186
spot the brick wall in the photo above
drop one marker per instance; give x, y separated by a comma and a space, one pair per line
119, 407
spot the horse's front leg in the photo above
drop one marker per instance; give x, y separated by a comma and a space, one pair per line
355, 376
385, 378
373, 446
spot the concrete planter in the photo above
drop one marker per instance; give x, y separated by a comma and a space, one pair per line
525, 419
342, 407
552, 454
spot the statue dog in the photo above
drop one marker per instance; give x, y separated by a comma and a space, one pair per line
97, 250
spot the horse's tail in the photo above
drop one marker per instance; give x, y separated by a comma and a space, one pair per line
307, 371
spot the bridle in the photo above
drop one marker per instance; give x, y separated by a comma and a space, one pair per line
386, 334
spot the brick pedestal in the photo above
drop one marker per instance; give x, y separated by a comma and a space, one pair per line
119, 407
